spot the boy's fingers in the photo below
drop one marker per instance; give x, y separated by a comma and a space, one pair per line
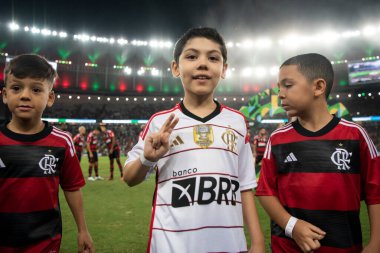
318, 230
166, 123
173, 124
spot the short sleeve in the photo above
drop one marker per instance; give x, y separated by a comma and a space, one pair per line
71, 176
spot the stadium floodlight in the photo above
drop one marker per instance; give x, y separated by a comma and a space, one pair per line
35, 30
246, 72
247, 44
117, 99
122, 41
141, 71
89, 98
98, 98
62, 34
242, 99
350, 34
370, 94
111, 40
234, 99
70, 97
54, 33
134, 99
154, 99
260, 72
171, 99
108, 99
126, 99
127, 70
349, 95
46, 32
144, 99
163, 99
225, 99
274, 70
78, 97
369, 31
26, 28
58, 96
337, 96
230, 44
13, 26
155, 72
263, 43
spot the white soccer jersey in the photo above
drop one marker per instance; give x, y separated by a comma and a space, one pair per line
197, 203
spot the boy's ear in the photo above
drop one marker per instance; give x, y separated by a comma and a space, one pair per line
175, 70
51, 99
4, 95
224, 71
319, 87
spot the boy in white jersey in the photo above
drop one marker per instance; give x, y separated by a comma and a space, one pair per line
202, 157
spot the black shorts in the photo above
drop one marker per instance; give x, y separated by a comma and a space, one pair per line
79, 155
94, 157
115, 154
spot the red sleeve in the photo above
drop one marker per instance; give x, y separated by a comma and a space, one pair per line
370, 168
89, 137
111, 134
71, 177
267, 184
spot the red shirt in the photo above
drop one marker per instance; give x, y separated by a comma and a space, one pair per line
92, 139
32, 167
107, 137
321, 177
260, 143
79, 142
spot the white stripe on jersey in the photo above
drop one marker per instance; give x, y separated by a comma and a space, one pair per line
372, 148
268, 148
66, 137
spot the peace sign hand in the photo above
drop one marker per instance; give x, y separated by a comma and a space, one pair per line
157, 144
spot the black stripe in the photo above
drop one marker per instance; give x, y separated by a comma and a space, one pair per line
27, 137
22, 229
31, 161
317, 156
342, 228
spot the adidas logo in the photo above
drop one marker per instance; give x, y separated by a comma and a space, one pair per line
177, 141
2, 165
290, 158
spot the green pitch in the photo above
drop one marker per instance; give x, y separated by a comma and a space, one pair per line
118, 216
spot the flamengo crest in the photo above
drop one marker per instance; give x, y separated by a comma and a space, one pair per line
48, 164
341, 158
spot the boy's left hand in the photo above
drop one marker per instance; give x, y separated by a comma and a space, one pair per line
85, 243
371, 248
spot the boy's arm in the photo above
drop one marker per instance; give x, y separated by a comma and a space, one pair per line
374, 219
75, 202
88, 149
251, 219
155, 146
306, 235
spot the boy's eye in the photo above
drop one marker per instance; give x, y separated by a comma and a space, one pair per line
36, 90
15, 88
191, 57
214, 58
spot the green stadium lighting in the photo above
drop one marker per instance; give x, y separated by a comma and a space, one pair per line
112, 87
64, 53
150, 88
121, 58
93, 57
95, 86
3, 45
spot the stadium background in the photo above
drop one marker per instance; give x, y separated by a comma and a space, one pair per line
113, 77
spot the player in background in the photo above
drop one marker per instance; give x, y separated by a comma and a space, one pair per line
202, 158
258, 146
92, 151
35, 160
317, 169
80, 141
113, 148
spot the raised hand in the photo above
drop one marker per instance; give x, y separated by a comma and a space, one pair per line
157, 144
307, 236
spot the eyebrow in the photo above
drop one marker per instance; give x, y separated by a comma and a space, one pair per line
285, 80
209, 52
20, 81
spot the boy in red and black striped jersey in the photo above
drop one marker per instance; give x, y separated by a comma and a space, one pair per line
92, 149
79, 141
35, 158
259, 144
113, 149
317, 169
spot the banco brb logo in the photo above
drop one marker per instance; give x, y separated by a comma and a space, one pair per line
203, 191
341, 158
48, 164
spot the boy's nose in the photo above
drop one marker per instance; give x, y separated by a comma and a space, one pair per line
25, 94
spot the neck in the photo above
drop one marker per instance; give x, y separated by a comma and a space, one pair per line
316, 118
25, 126
200, 106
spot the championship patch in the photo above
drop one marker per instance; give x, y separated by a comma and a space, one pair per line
203, 135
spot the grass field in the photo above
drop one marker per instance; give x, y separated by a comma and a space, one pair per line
118, 216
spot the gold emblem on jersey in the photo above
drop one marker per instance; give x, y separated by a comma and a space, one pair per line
230, 139
203, 135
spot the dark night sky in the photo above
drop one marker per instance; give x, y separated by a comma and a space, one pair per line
144, 19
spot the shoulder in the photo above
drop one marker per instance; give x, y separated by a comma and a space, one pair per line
233, 112
284, 130
159, 118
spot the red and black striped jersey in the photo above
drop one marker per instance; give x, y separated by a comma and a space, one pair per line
107, 137
321, 177
31, 169
260, 143
92, 139
79, 142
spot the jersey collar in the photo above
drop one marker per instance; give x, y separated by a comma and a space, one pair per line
26, 137
205, 119
303, 131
